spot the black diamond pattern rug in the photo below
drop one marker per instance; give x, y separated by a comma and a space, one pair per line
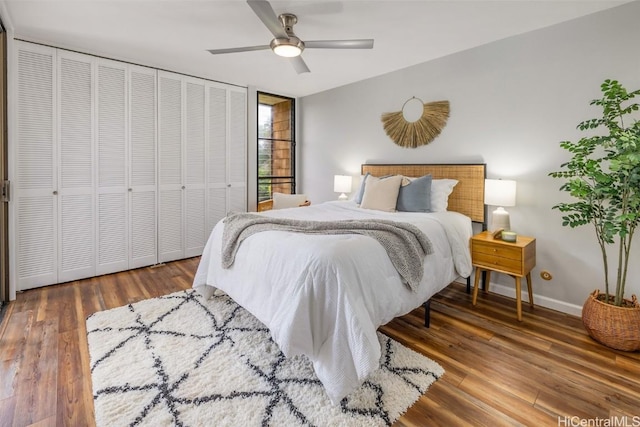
185, 361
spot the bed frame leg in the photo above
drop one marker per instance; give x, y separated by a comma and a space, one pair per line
469, 284
427, 314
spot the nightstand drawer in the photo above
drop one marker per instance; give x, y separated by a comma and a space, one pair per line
503, 250
493, 262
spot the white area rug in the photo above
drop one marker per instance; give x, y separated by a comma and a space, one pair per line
181, 360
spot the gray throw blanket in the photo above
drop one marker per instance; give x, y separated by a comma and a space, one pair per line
405, 243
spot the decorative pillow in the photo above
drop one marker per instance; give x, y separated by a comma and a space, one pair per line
381, 193
415, 196
284, 201
440, 191
360, 192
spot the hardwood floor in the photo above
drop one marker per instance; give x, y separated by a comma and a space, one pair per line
498, 371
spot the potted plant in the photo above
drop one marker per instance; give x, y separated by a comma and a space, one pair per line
603, 176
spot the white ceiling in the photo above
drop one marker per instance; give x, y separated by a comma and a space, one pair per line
174, 34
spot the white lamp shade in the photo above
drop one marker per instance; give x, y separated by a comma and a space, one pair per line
500, 192
342, 184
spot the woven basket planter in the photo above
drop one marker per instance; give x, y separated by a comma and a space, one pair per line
615, 327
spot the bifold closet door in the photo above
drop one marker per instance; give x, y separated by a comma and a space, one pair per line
237, 157
126, 140
55, 202
195, 221
170, 155
76, 195
34, 253
142, 189
227, 154
217, 155
182, 199
112, 195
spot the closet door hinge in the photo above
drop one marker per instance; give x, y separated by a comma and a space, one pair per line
5, 195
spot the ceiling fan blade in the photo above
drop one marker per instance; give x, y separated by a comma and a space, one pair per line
265, 12
339, 44
299, 65
238, 49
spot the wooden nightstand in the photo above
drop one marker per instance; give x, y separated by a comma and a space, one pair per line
516, 259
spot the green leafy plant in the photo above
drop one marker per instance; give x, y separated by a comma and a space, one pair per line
603, 175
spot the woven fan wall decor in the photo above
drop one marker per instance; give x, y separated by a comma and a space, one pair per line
420, 132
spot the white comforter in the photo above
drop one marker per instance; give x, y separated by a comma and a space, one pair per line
325, 296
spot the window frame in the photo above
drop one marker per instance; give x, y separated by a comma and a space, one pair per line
285, 179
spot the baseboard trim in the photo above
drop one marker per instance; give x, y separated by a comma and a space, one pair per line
540, 300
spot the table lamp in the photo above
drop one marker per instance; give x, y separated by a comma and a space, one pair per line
342, 184
500, 193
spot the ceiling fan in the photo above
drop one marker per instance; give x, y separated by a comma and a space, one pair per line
286, 43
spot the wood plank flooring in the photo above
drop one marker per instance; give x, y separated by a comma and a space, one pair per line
498, 371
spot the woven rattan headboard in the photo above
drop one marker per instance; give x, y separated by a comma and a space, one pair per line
468, 195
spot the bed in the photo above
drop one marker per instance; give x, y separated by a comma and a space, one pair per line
324, 296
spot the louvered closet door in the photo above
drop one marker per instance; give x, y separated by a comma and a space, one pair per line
111, 142
142, 178
216, 155
237, 150
75, 175
170, 221
34, 255
195, 232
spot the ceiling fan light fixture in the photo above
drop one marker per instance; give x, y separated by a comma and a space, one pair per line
288, 48
285, 42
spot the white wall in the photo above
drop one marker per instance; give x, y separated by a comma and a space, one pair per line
512, 102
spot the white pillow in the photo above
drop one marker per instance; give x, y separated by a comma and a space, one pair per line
440, 191
284, 201
381, 193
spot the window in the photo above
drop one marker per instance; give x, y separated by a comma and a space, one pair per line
276, 145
